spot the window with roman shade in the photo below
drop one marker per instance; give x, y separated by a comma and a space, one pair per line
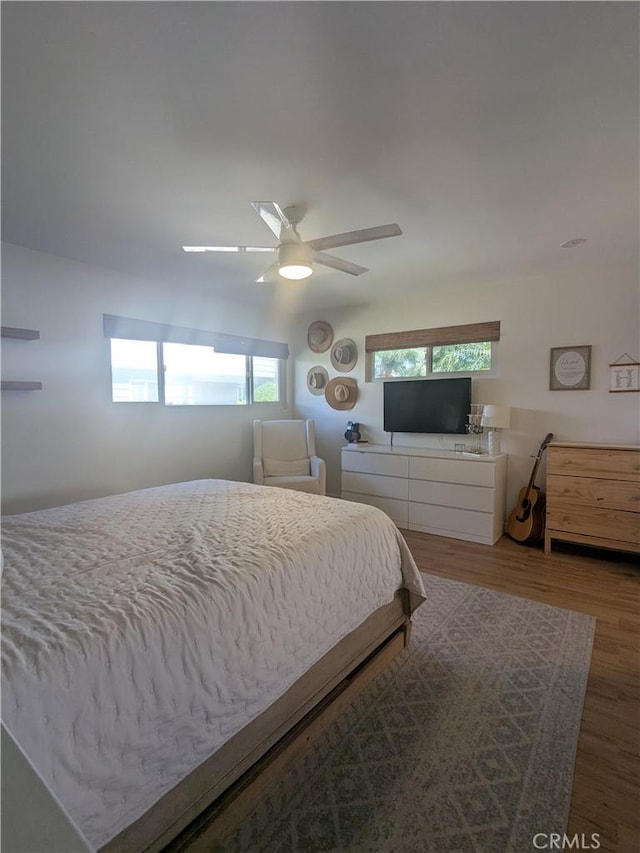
442, 350
177, 365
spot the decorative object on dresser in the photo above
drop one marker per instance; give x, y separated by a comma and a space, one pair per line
569, 368
526, 522
474, 428
352, 433
433, 491
625, 375
593, 495
495, 418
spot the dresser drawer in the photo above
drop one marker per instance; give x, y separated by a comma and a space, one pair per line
431, 519
609, 524
453, 471
375, 463
452, 495
398, 511
373, 484
593, 492
607, 463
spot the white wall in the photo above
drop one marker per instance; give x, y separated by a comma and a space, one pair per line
69, 441
567, 309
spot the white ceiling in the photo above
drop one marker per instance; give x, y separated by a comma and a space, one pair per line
490, 132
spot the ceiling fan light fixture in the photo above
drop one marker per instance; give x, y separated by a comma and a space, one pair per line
294, 261
295, 272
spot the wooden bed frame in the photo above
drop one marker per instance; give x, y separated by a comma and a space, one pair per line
212, 800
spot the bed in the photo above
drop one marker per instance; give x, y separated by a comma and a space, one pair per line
157, 643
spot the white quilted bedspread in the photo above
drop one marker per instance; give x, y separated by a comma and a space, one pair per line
141, 631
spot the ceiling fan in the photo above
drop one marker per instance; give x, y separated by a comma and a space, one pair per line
295, 256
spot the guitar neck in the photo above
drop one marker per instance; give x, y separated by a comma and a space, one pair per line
532, 478
536, 464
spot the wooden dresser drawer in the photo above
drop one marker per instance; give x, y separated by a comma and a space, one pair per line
593, 492
593, 495
608, 463
614, 526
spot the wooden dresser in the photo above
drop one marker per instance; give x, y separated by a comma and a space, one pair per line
593, 495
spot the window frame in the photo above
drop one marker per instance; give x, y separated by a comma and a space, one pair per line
281, 401
430, 373
491, 370
159, 374
426, 339
161, 383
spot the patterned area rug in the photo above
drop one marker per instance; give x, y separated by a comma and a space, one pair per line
467, 742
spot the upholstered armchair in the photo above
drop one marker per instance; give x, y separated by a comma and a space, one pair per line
284, 454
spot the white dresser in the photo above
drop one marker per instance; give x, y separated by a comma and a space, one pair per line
434, 491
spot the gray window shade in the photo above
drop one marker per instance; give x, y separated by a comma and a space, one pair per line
145, 330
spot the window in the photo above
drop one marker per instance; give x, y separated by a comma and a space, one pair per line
191, 375
199, 376
423, 361
458, 358
431, 352
180, 366
265, 386
399, 362
134, 371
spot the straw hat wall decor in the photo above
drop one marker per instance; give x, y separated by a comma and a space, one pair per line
317, 379
344, 355
341, 393
319, 336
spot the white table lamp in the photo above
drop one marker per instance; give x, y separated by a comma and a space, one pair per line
495, 418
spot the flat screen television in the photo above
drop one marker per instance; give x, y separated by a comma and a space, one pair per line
427, 405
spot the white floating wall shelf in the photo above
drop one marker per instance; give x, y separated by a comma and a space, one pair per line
22, 335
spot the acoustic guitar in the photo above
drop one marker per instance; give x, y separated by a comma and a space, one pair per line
526, 522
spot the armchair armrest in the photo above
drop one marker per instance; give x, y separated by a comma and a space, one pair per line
258, 472
319, 469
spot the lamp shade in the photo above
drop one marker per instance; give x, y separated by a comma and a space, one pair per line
496, 417
294, 261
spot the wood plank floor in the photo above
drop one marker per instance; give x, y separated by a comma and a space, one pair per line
606, 787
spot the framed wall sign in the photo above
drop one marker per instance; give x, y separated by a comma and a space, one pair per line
625, 377
570, 368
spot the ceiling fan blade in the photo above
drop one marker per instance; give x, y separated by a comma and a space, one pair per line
275, 219
270, 274
338, 263
229, 249
348, 238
